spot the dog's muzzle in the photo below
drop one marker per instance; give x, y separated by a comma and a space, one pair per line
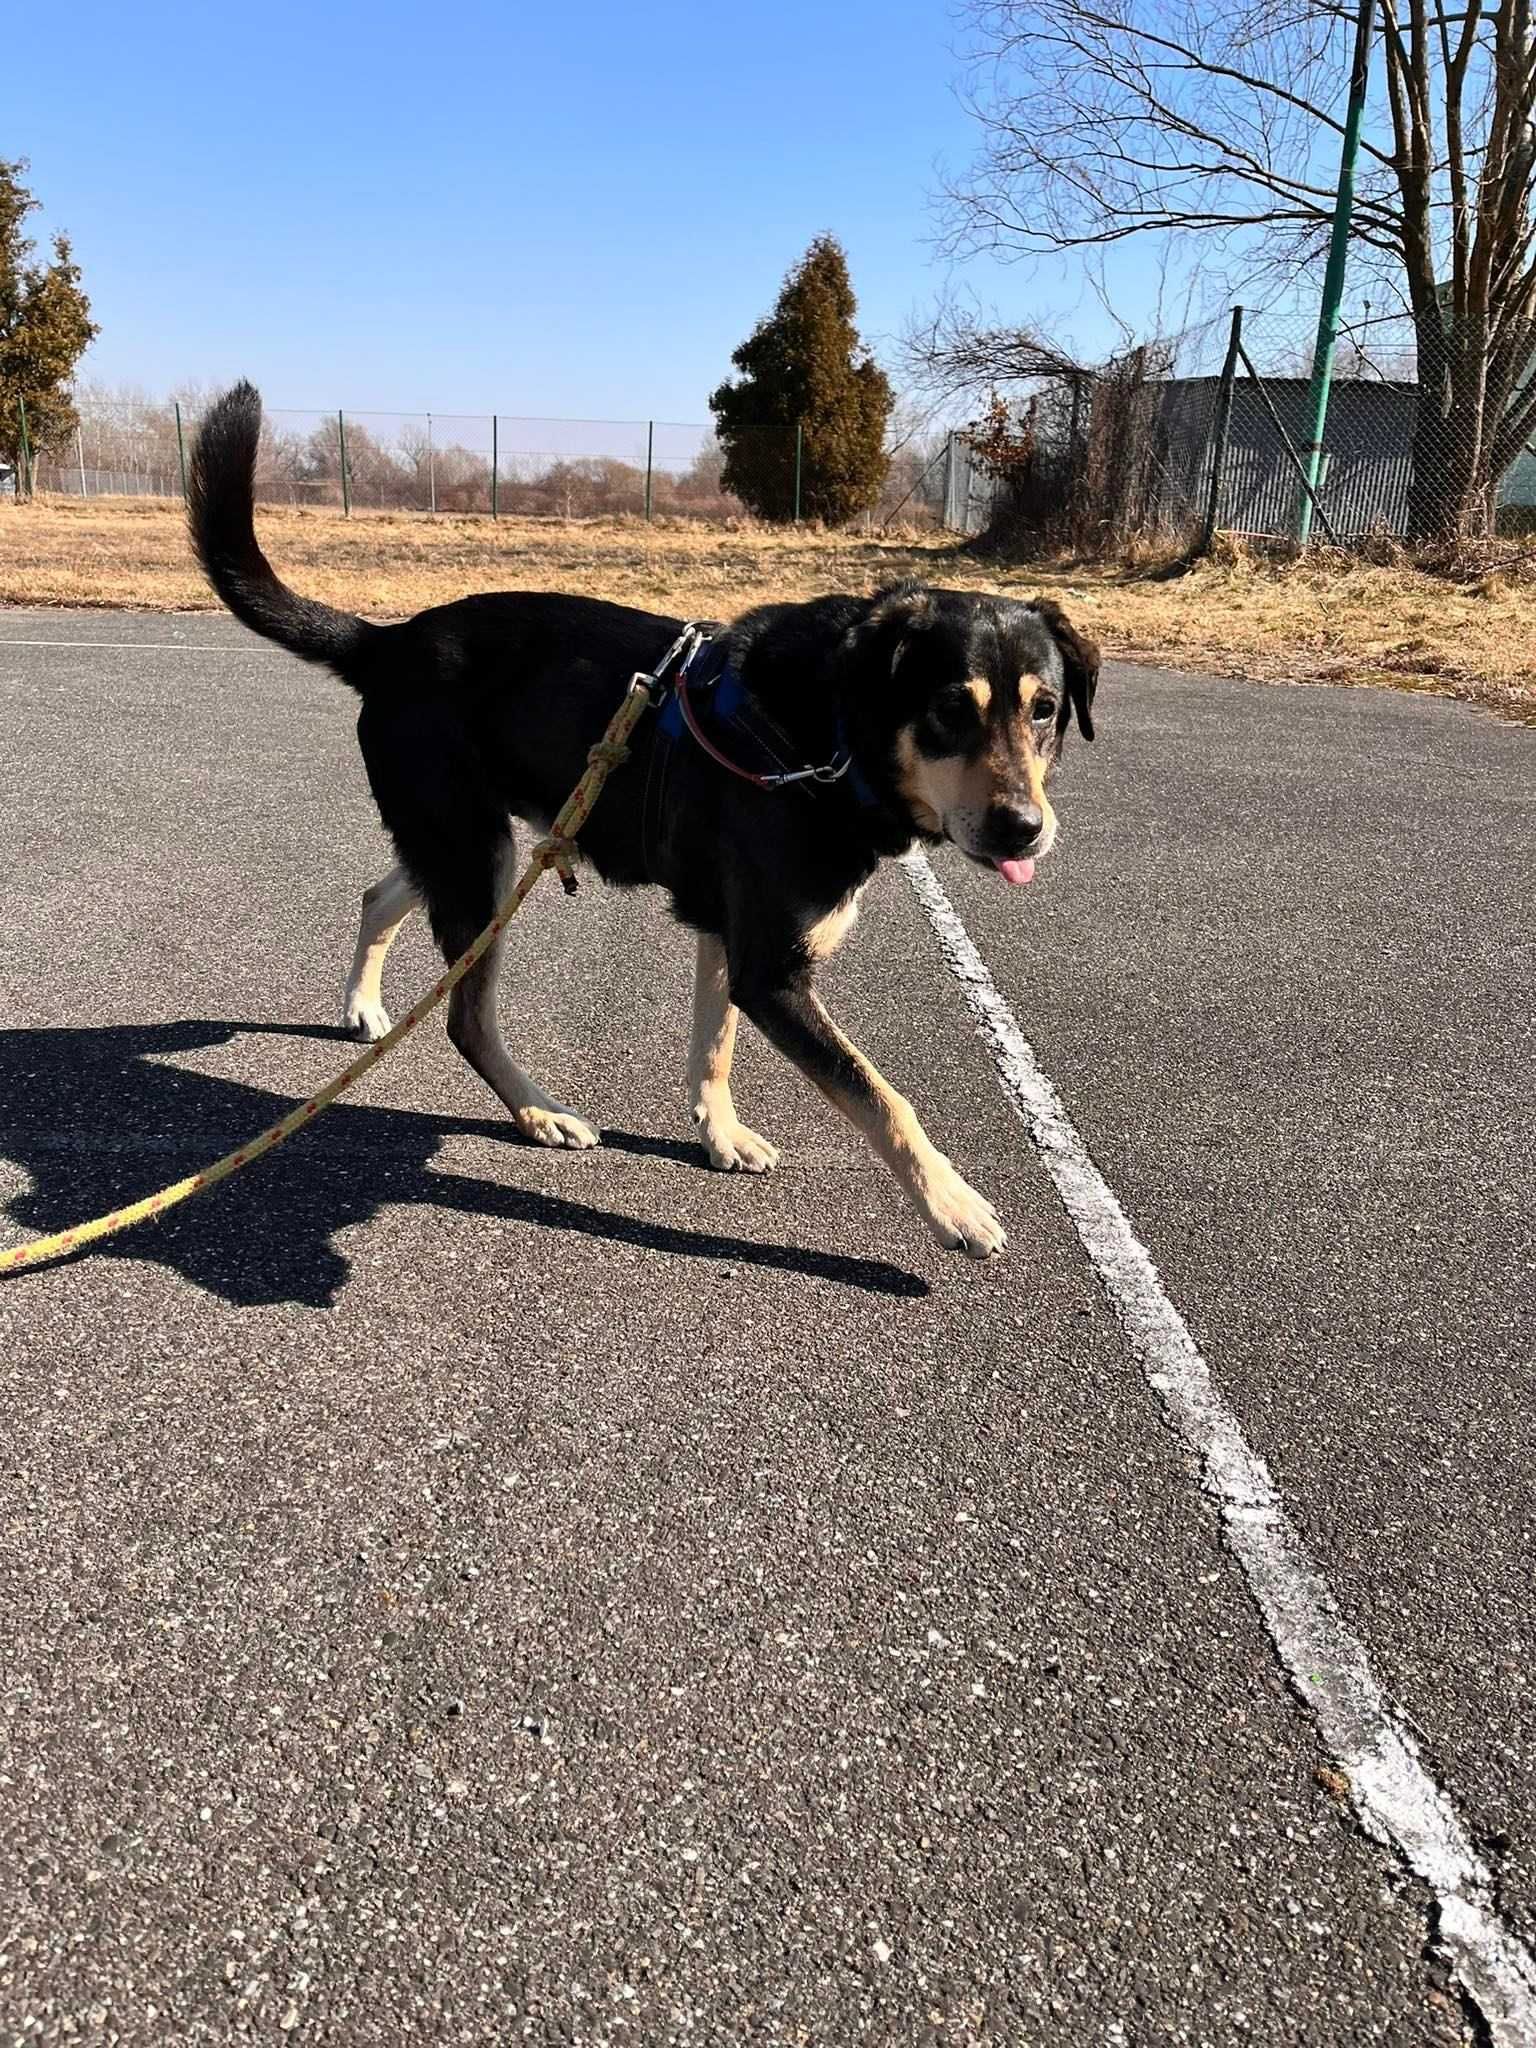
1012, 838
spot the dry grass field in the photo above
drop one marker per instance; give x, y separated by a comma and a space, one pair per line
1326, 619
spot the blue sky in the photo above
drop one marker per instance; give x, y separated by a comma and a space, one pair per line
559, 211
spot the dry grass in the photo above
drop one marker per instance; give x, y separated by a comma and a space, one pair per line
1319, 620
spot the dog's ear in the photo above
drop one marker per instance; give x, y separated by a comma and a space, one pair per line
1079, 662
895, 617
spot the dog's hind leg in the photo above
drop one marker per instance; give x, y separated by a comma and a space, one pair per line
387, 903
472, 1024
729, 1144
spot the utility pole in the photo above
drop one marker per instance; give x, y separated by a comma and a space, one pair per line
1333, 276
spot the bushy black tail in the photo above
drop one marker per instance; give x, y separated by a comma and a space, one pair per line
221, 493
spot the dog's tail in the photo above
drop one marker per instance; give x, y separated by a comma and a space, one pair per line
221, 493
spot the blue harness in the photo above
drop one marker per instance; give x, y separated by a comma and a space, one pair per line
707, 699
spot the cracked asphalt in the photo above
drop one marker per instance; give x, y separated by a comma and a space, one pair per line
456, 1592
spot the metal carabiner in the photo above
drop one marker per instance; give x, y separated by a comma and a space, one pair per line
682, 651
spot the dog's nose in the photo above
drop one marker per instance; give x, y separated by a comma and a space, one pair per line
1012, 829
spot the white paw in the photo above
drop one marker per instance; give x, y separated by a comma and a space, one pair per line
561, 1128
959, 1218
732, 1148
365, 1020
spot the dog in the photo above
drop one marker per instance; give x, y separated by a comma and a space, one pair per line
928, 714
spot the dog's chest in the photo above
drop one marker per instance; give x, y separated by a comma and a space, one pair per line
823, 937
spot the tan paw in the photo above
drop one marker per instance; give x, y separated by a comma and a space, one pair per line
365, 1020
959, 1218
732, 1148
554, 1126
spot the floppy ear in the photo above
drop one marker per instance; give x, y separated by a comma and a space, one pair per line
894, 615
1080, 665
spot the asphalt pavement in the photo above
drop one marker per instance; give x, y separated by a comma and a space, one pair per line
458, 1592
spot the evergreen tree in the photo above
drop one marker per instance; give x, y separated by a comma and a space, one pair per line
805, 366
45, 326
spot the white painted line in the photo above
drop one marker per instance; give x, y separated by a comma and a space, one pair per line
1397, 1800
152, 646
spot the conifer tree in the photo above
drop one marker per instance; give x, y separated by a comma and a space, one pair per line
45, 326
804, 366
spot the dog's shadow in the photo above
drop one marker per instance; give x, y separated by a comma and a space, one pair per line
96, 1120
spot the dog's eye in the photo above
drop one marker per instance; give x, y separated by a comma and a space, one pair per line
952, 720
1043, 710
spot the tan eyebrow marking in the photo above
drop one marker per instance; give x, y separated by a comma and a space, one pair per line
981, 690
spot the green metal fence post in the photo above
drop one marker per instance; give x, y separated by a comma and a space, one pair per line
181, 448
1223, 428
799, 461
1333, 277
346, 483
495, 514
650, 453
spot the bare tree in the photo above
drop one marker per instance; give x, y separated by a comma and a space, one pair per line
1109, 119
374, 476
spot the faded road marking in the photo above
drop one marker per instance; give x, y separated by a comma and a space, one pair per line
152, 646
1397, 1800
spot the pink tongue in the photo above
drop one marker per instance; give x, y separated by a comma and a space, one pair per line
1016, 871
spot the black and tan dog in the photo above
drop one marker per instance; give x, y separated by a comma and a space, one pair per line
951, 709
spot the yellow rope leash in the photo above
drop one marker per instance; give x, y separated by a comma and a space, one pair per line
553, 851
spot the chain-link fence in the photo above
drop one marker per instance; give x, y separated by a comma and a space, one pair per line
1162, 446
500, 465
1210, 431
1426, 438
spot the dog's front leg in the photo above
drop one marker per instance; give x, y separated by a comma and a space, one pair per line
729, 1144
794, 1018
387, 903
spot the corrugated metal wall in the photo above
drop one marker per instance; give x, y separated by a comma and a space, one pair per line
1367, 464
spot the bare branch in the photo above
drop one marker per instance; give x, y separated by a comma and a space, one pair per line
951, 352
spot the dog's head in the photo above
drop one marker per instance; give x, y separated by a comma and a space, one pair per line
969, 697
